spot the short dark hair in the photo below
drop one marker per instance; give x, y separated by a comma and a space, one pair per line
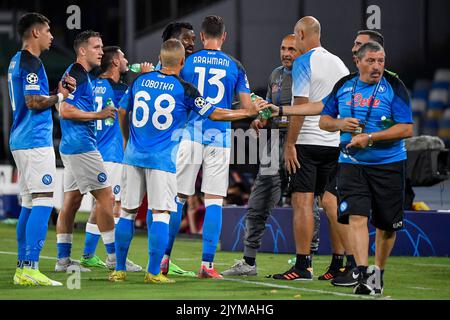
371, 46
373, 35
173, 29
109, 54
213, 26
28, 20
83, 37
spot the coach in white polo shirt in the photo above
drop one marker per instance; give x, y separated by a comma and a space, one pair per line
311, 154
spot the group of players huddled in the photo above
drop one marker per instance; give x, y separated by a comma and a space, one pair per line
122, 143
156, 111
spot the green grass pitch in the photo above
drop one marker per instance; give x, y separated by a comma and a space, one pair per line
405, 278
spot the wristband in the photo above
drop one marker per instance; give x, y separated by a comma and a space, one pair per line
280, 111
370, 141
60, 97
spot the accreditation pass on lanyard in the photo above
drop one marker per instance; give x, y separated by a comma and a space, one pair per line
362, 124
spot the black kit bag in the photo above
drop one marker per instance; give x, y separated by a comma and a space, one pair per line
428, 161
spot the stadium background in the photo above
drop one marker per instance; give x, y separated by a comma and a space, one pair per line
417, 40
417, 35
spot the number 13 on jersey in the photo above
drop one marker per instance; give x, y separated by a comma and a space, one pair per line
162, 117
217, 74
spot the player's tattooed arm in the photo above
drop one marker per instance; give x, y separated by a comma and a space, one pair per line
40, 102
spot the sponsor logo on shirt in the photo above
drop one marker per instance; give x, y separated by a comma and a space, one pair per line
359, 101
348, 89
32, 87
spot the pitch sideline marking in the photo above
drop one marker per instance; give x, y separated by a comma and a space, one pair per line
260, 284
431, 265
420, 288
302, 289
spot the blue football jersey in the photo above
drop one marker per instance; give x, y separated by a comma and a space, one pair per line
218, 77
158, 106
30, 128
79, 136
109, 138
391, 102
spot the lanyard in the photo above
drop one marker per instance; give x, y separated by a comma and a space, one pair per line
372, 100
279, 82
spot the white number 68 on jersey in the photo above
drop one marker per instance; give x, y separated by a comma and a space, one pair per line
141, 100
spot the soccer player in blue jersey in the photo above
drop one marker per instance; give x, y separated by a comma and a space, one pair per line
110, 145
182, 31
31, 144
84, 170
158, 104
218, 78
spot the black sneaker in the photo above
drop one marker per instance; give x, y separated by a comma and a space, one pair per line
370, 283
294, 274
346, 278
331, 273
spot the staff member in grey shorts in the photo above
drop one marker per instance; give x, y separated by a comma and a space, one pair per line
269, 182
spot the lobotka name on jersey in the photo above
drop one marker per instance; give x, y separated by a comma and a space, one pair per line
157, 85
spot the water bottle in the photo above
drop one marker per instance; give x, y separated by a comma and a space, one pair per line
386, 122
135, 67
109, 121
265, 113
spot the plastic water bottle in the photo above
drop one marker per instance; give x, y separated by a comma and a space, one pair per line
265, 113
386, 122
109, 121
135, 67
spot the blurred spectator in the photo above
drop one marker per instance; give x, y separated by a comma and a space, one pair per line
141, 217
192, 222
237, 194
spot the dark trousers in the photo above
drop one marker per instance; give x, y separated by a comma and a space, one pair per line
266, 194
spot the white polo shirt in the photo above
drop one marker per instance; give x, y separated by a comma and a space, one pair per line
314, 75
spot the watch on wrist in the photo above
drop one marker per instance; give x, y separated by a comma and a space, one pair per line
370, 142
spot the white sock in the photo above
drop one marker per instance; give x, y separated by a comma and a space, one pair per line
108, 237
208, 265
92, 228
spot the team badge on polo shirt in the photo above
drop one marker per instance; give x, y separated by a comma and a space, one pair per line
101, 177
47, 179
